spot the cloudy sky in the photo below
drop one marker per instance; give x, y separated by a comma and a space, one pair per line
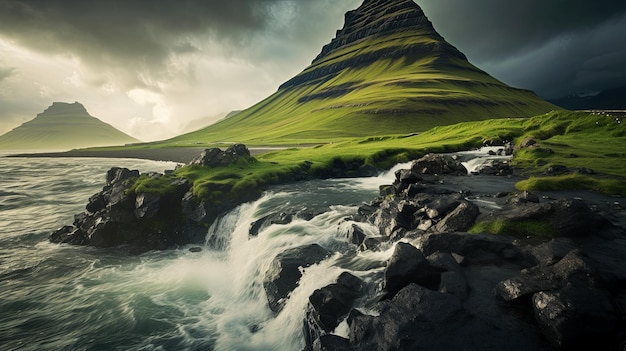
150, 67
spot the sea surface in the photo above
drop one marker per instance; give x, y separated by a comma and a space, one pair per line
62, 297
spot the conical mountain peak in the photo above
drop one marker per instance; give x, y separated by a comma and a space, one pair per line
65, 108
63, 126
387, 71
380, 30
378, 18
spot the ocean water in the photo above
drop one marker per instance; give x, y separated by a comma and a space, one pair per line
61, 297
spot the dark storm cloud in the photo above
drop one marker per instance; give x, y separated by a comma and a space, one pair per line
501, 28
138, 34
550, 46
554, 47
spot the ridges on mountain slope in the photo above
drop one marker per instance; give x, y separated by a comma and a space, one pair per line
387, 71
63, 126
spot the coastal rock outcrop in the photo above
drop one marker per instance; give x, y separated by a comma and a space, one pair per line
122, 215
443, 288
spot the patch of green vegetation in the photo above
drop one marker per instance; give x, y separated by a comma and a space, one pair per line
583, 143
576, 140
575, 181
161, 185
529, 230
605, 156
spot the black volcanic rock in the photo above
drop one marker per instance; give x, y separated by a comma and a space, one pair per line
284, 273
375, 18
383, 17
122, 216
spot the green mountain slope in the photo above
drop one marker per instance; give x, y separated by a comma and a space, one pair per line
386, 72
63, 126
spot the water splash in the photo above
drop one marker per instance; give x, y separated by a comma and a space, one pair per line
65, 297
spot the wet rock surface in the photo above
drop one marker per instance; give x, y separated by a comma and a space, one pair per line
133, 221
438, 286
445, 289
285, 272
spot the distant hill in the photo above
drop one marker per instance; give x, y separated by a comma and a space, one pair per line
63, 126
386, 72
610, 99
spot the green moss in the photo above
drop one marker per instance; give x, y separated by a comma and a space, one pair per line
163, 185
533, 230
574, 181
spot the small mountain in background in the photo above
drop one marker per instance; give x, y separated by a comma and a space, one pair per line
610, 99
63, 126
387, 71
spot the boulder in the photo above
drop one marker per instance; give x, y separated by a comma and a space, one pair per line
441, 206
215, 157
415, 319
496, 168
408, 265
284, 272
330, 305
404, 179
393, 216
460, 219
572, 217
573, 268
577, 317
117, 175
356, 235
475, 248
439, 165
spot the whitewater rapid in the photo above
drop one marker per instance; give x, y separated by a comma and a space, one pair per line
80, 298
60, 297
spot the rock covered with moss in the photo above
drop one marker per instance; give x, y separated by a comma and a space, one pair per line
153, 211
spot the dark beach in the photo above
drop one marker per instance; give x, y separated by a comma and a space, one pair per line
182, 155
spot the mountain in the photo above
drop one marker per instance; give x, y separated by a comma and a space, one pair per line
203, 122
63, 126
610, 99
387, 71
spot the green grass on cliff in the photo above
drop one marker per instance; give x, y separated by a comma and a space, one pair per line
535, 230
407, 101
388, 96
598, 143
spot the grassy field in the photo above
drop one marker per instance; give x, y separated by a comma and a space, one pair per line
412, 85
577, 140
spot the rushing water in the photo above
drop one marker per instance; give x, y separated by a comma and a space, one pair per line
59, 297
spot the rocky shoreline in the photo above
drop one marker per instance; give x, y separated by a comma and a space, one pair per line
172, 154
136, 222
556, 281
446, 289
